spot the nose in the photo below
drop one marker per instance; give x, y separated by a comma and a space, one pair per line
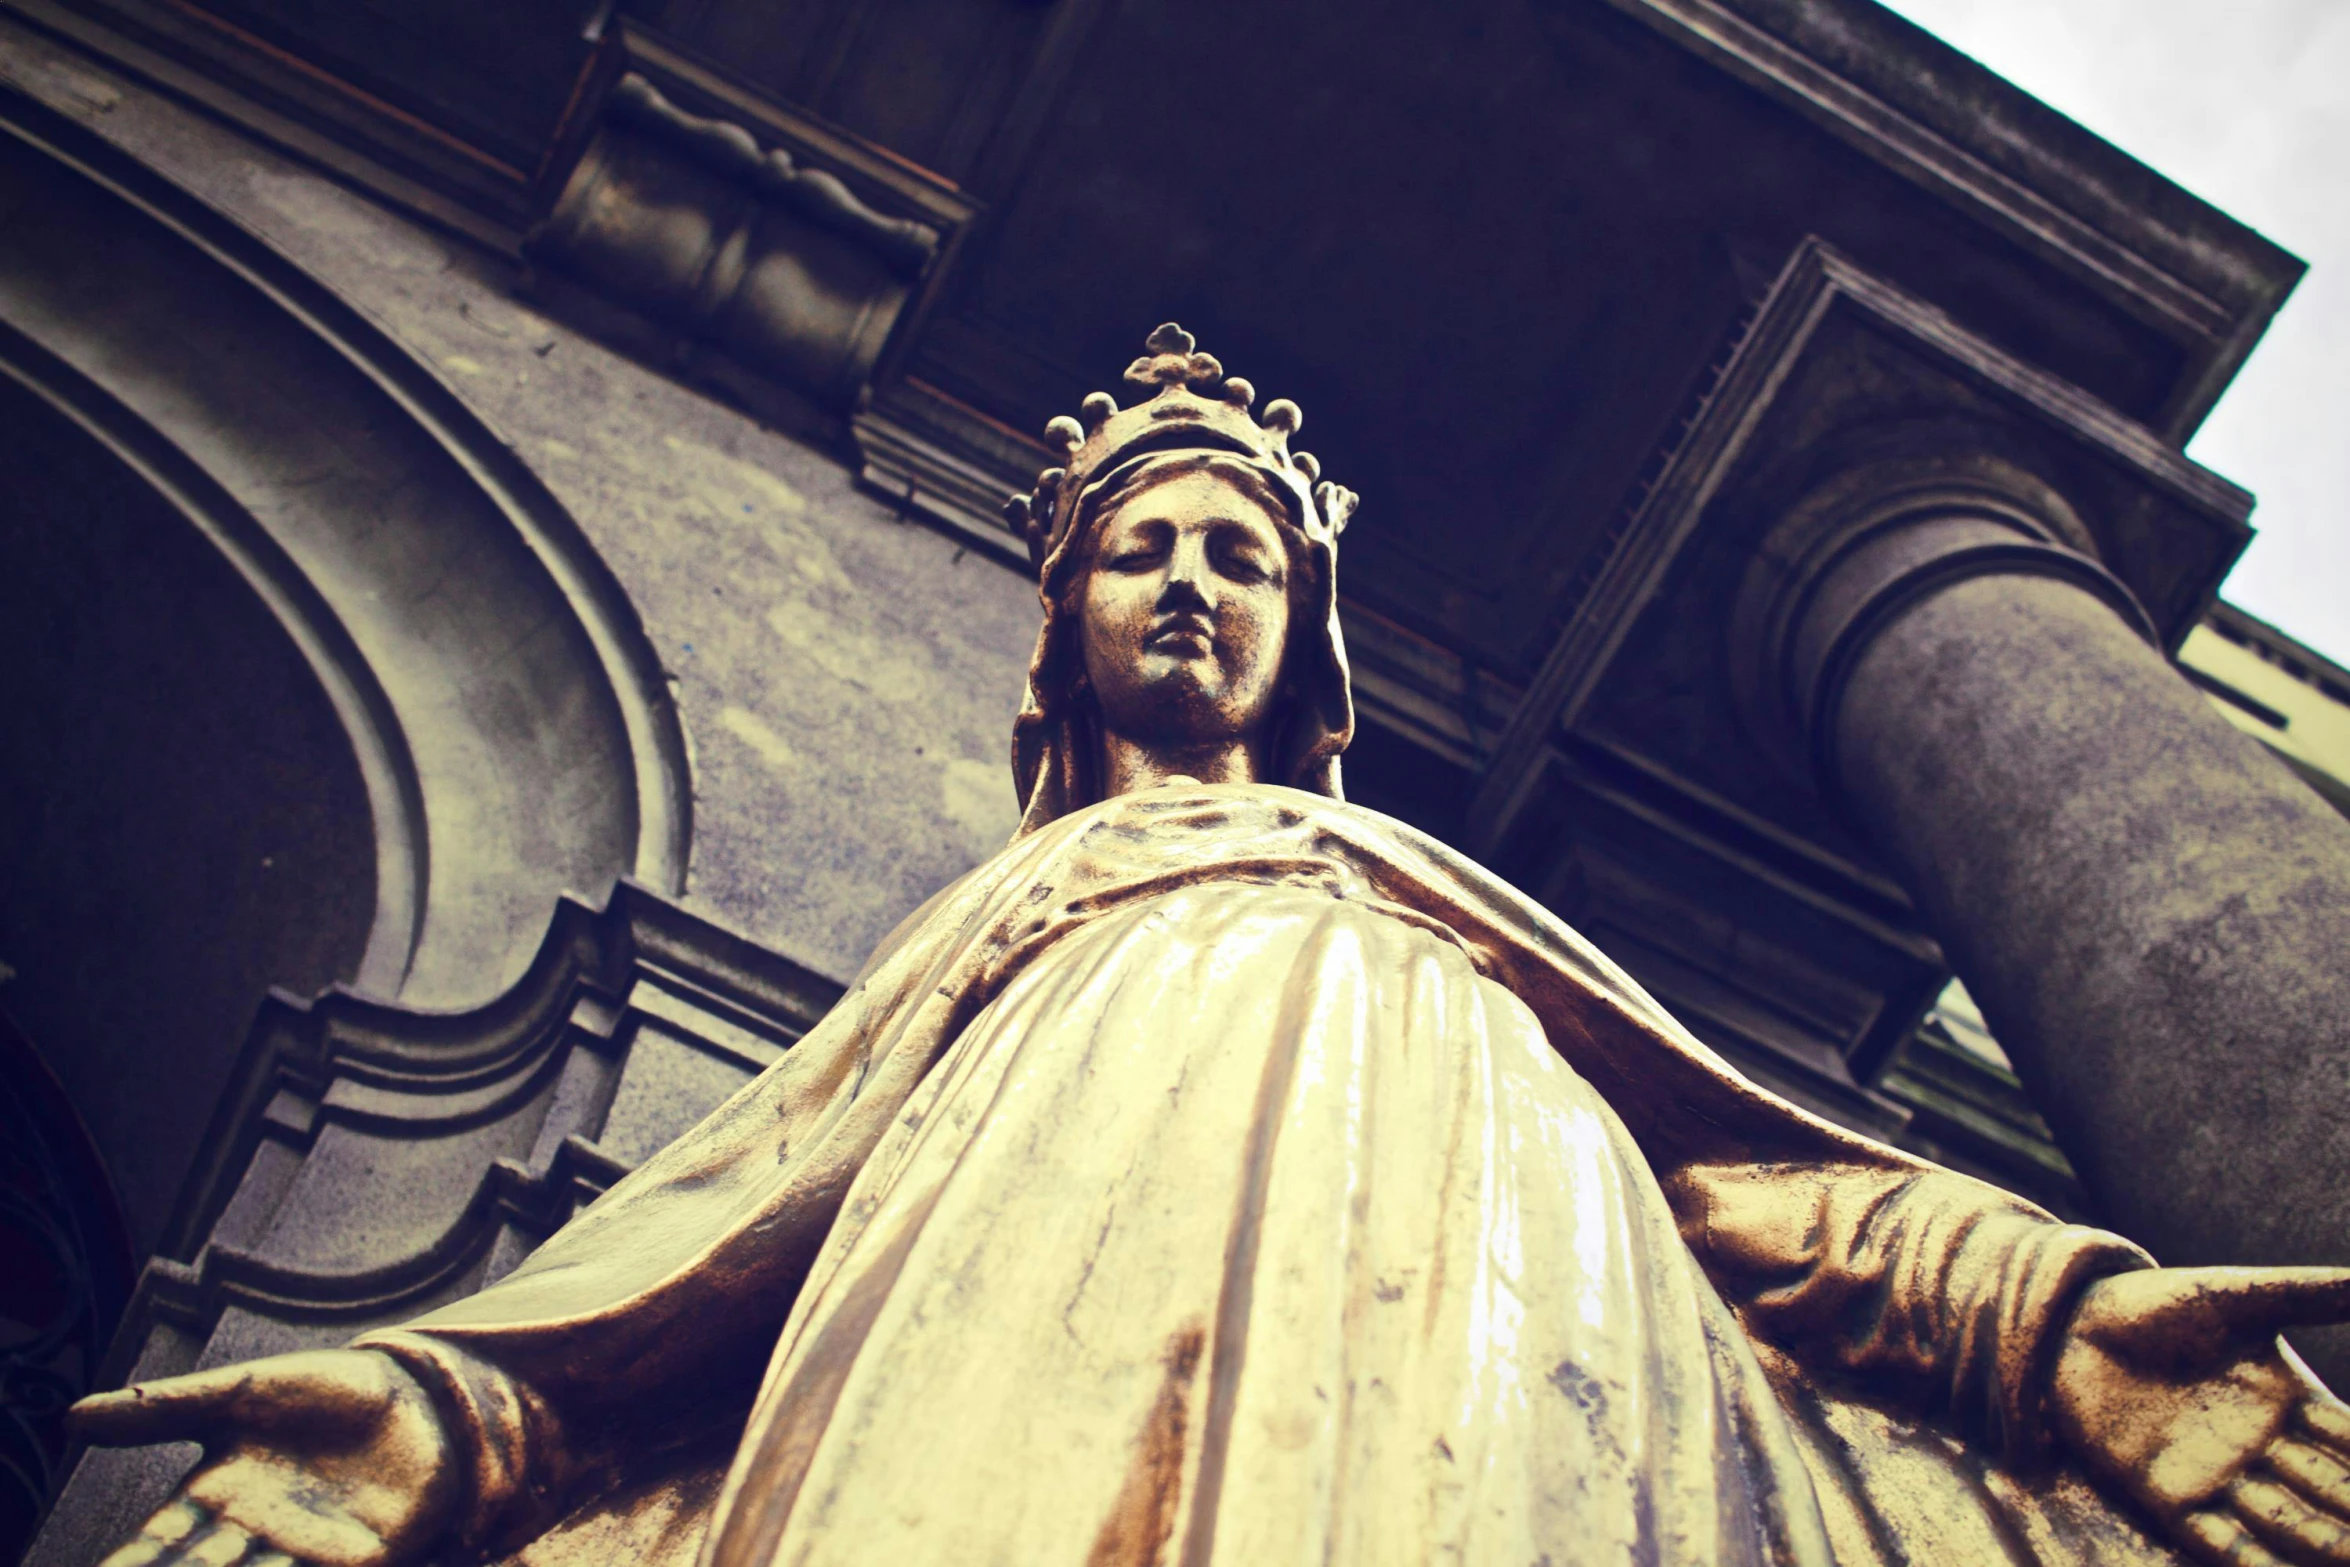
1190, 584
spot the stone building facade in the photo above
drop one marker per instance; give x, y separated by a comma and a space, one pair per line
504, 601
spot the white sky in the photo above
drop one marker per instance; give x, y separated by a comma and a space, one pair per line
2247, 104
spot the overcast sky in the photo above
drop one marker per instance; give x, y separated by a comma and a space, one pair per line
2247, 104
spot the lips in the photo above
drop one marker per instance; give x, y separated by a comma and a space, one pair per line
1185, 631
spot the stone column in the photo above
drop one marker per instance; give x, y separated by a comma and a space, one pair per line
2153, 913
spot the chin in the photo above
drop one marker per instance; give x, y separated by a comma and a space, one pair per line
1180, 677
1178, 708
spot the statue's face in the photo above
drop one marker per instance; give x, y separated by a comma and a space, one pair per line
1185, 612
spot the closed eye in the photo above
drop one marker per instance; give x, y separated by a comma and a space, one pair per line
1240, 556
1146, 548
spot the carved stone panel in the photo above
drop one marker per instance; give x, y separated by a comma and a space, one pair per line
762, 241
371, 1161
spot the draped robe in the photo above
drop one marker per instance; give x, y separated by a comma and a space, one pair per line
1228, 1174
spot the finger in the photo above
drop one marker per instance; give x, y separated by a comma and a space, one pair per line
2317, 1474
2269, 1299
2290, 1524
2221, 1538
223, 1545
2328, 1420
170, 1409
170, 1525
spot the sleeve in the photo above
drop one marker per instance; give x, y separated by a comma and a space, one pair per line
1914, 1279
652, 1314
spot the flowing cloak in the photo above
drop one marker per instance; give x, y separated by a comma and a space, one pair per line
1230, 1174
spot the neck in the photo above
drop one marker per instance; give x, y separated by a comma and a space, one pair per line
1129, 764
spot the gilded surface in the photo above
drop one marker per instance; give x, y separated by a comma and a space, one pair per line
1227, 1173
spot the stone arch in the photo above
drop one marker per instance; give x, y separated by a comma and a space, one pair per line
498, 728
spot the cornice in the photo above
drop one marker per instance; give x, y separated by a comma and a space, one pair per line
1722, 449
1923, 110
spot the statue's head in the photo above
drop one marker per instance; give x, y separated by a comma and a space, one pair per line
1187, 560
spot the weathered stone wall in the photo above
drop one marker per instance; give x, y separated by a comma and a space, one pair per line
847, 678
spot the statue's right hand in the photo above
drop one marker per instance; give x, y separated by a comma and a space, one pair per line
326, 1458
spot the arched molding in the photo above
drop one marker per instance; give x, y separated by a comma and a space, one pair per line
513, 721
394, 794
631, 1022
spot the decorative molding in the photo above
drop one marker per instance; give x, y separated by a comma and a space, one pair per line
398, 474
395, 793
947, 463
2146, 271
1723, 446
1802, 964
1862, 895
294, 105
1422, 690
583, 1052
1975, 1114
741, 225
903, 246
371, 1160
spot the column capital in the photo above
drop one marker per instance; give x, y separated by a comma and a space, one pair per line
1858, 550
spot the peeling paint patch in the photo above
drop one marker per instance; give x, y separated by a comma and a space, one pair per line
860, 656
732, 487
364, 233
752, 730
978, 798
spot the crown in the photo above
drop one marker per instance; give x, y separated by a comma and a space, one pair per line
1193, 407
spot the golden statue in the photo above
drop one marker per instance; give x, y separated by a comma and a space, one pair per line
1226, 1174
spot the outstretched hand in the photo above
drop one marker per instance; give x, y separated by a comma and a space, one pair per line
327, 1458
2173, 1388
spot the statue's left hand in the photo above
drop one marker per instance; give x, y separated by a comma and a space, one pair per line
320, 1458
2172, 1387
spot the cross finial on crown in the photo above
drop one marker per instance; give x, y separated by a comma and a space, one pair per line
1172, 362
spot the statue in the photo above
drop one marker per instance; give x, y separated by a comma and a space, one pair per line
1226, 1174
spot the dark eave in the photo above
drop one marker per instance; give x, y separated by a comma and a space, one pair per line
1936, 116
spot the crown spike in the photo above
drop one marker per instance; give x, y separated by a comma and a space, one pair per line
1183, 402
1338, 505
